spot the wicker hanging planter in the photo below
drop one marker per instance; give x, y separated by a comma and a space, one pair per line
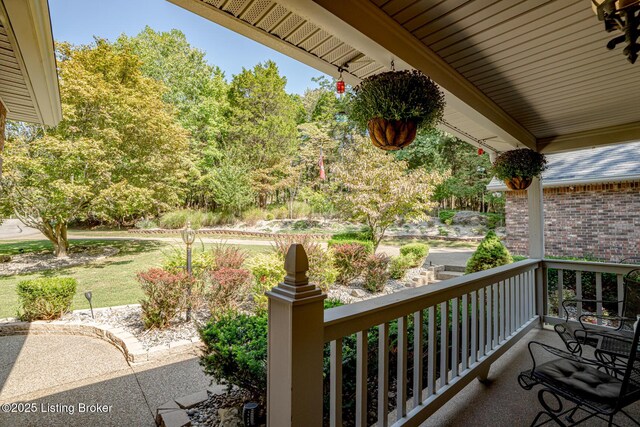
391, 135
518, 183
394, 105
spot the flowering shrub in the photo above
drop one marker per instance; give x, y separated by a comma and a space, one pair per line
376, 274
165, 296
228, 257
225, 288
268, 271
350, 260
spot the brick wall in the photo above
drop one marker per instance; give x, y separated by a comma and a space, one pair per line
600, 220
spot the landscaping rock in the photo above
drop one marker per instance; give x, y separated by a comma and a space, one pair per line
469, 218
229, 417
358, 293
177, 418
188, 402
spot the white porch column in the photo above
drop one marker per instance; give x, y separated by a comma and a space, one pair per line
3, 122
536, 241
296, 342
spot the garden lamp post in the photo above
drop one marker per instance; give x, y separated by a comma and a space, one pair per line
188, 237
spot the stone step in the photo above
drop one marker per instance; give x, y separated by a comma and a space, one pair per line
444, 275
459, 268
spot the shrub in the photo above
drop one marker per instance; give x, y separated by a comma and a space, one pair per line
489, 254
446, 215
322, 271
268, 271
442, 231
366, 245
178, 219
5, 258
46, 298
228, 257
350, 261
165, 296
494, 220
399, 265
279, 211
253, 215
224, 289
376, 272
145, 224
300, 210
364, 235
417, 251
175, 261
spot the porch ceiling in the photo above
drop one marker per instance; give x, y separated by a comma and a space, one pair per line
28, 79
530, 73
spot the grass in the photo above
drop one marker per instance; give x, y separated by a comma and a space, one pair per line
111, 280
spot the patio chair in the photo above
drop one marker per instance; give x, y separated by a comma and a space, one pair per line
621, 327
597, 389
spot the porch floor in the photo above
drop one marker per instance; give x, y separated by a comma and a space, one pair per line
502, 402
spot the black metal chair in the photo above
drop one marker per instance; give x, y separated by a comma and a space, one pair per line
600, 390
620, 327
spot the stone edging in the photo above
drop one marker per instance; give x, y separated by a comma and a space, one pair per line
124, 341
227, 232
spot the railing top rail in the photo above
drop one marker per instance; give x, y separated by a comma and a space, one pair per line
595, 267
349, 319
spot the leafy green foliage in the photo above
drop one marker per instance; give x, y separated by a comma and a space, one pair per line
268, 271
46, 298
398, 95
225, 288
175, 261
366, 244
399, 265
178, 219
322, 271
350, 260
165, 296
523, 163
446, 216
417, 251
490, 253
376, 272
365, 235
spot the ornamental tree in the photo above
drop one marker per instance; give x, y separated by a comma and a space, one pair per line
378, 190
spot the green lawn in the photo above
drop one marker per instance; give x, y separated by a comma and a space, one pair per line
112, 280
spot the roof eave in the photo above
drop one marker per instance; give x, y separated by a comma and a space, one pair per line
556, 183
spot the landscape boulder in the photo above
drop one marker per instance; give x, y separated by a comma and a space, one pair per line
469, 218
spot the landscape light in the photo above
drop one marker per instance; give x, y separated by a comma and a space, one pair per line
88, 295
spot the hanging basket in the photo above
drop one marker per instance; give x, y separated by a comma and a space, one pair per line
517, 183
391, 135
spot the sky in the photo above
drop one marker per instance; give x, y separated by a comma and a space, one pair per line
77, 21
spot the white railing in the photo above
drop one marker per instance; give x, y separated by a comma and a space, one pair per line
583, 280
457, 327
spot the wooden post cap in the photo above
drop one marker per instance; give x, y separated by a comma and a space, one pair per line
296, 264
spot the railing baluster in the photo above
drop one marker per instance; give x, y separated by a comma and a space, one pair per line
532, 293
512, 305
444, 343
481, 325
383, 375
335, 406
579, 293
496, 317
525, 297
417, 357
489, 312
620, 279
474, 327
455, 336
559, 291
599, 296
361, 379
401, 393
503, 312
431, 352
518, 302
465, 332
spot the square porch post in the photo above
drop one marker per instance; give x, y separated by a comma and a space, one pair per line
536, 241
296, 343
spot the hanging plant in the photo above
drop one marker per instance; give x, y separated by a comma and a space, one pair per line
517, 168
394, 105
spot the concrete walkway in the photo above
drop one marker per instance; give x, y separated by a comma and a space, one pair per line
61, 373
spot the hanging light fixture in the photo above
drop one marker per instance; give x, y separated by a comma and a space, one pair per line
340, 86
623, 16
480, 151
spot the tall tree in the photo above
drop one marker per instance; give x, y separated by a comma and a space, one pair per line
118, 153
262, 126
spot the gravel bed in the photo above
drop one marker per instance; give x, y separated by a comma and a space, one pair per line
34, 262
355, 292
225, 408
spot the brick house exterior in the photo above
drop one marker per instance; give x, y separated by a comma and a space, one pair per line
591, 205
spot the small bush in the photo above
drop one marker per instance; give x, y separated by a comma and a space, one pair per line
145, 224
225, 288
418, 251
489, 254
165, 296
322, 271
399, 265
442, 231
47, 298
178, 219
494, 220
350, 260
300, 210
279, 212
364, 235
376, 272
366, 245
446, 215
253, 215
268, 271
228, 257
5, 258
175, 261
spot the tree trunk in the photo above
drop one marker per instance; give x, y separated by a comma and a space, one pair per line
57, 234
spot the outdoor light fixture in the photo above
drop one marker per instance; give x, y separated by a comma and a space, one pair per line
88, 295
624, 16
340, 86
188, 237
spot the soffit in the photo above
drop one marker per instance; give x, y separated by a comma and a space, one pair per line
544, 62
